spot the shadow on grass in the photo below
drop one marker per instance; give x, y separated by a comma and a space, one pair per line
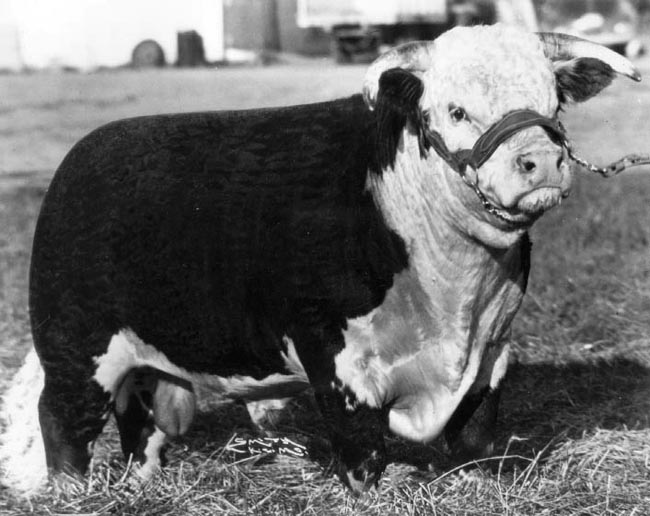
543, 402
543, 405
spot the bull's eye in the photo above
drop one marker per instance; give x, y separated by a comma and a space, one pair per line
457, 114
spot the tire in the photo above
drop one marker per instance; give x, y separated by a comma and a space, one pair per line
148, 54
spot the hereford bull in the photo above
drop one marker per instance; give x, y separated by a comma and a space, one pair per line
375, 245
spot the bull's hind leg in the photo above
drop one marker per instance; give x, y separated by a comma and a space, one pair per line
72, 412
150, 406
134, 415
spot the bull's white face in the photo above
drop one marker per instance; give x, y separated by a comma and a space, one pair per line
472, 85
459, 86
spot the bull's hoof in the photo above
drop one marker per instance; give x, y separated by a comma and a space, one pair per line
67, 483
365, 475
466, 453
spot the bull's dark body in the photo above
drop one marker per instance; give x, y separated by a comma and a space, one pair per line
210, 235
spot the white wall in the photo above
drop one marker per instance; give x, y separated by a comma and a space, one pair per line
91, 33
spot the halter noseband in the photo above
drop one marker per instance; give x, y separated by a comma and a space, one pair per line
487, 144
499, 132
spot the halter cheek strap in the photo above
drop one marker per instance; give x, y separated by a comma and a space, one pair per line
488, 142
499, 132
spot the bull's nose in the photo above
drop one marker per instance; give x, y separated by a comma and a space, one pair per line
534, 164
544, 180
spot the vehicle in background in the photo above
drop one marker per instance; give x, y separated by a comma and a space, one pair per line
359, 28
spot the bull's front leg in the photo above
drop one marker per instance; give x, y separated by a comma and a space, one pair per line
357, 437
356, 430
470, 433
471, 430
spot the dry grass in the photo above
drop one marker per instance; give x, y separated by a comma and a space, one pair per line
574, 432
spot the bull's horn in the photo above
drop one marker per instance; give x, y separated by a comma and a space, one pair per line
562, 46
416, 55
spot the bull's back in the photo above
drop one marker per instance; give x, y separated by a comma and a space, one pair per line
206, 230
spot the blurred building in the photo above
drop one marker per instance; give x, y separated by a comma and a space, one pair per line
271, 25
87, 34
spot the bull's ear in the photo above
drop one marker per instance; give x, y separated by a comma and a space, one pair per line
398, 101
582, 78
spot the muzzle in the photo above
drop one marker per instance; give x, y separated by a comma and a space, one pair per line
499, 132
488, 143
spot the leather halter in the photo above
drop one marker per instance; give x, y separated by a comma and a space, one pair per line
488, 142
499, 132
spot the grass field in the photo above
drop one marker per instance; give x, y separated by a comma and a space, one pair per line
574, 431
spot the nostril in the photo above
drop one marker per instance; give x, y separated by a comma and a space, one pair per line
526, 165
559, 162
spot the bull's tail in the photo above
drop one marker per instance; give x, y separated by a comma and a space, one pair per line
22, 455
273, 387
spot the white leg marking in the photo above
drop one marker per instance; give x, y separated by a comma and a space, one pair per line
358, 365
22, 455
500, 366
152, 455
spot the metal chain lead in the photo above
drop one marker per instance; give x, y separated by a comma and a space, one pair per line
614, 168
489, 207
